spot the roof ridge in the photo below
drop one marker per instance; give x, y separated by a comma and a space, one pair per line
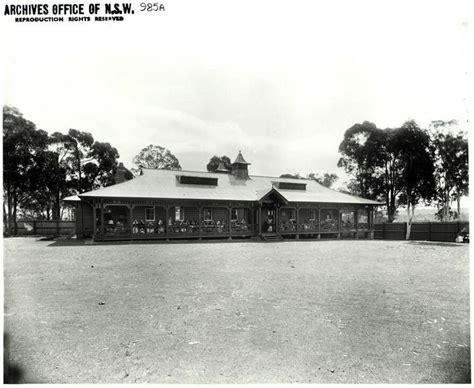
213, 172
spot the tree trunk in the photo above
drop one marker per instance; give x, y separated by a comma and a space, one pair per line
4, 214
447, 205
391, 209
48, 210
57, 206
10, 208
409, 219
15, 206
458, 200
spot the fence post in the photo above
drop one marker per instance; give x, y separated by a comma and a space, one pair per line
429, 231
57, 227
34, 227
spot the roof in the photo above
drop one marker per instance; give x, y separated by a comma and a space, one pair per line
72, 198
161, 184
240, 159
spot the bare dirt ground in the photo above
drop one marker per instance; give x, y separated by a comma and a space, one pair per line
302, 311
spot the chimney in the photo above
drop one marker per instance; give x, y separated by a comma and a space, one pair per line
120, 173
240, 167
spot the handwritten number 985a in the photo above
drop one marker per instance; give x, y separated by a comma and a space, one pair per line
149, 7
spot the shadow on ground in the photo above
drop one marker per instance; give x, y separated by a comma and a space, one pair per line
436, 243
12, 372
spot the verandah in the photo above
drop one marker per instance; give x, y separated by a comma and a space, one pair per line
148, 221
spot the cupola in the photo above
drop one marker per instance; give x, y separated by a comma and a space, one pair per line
240, 167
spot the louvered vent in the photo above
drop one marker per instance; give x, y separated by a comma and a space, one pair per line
291, 186
196, 180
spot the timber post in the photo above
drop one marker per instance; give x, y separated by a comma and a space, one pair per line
356, 223
200, 221
94, 216
102, 230
229, 219
167, 223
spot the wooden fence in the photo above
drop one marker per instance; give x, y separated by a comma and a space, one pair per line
429, 231
43, 228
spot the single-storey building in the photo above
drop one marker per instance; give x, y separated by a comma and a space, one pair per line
172, 204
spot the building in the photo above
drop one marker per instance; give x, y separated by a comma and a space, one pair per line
165, 204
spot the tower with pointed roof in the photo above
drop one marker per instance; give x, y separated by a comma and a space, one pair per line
240, 167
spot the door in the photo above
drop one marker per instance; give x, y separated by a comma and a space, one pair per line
268, 219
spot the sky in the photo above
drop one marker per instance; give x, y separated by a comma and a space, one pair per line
279, 80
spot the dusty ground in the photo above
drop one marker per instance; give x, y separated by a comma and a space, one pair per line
309, 312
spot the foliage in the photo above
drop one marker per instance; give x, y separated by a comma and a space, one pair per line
90, 164
156, 157
363, 157
21, 143
327, 179
381, 164
411, 146
213, 164
40, 170
451, 167
294, 176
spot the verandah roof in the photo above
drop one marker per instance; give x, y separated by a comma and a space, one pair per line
163, 184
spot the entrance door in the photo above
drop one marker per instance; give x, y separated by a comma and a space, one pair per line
268, 219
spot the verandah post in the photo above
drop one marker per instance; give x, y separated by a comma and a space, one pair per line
200, 221
167, 225
229, 219
94, 216
102, 217
319, 221
130, 218
339, 216
297, 221
356, 222
259, 219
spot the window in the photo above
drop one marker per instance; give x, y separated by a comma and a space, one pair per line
179, 213
207, 214
234, 215
149, 214
312, 215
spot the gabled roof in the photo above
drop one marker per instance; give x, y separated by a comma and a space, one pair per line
163, 184
264, 194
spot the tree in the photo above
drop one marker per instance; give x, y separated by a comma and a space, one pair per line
156, 157
213, 164
21, 143
412, 149
52, 186
294, 176
90, 164
363, 157
377, 161
451, 166
327, 179
368, 159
